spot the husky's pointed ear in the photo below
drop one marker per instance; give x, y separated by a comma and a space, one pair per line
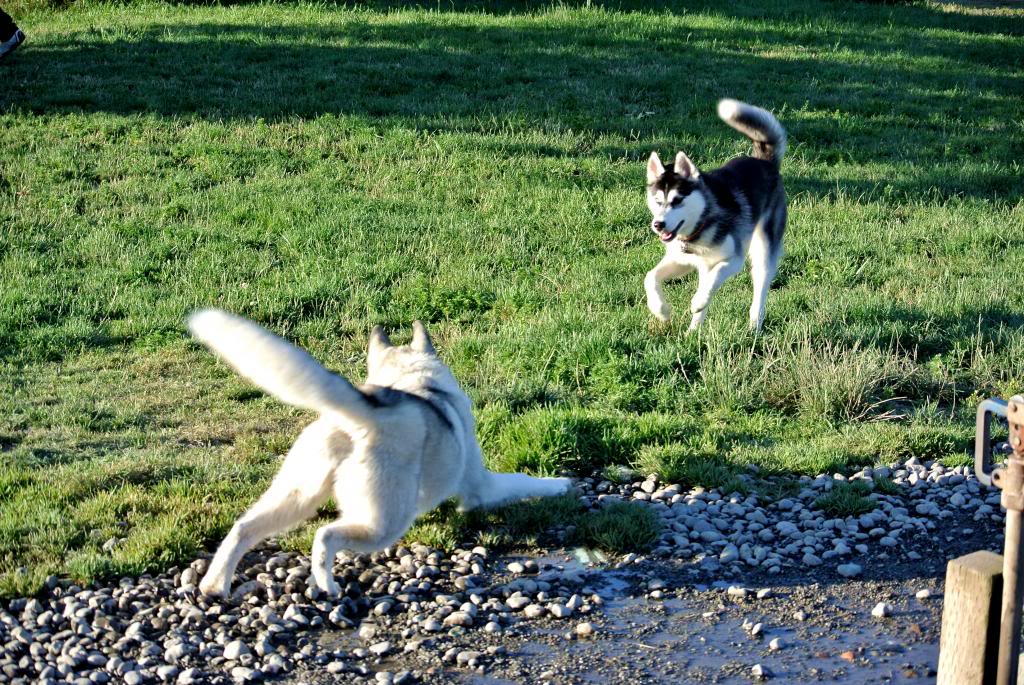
421, 339
684, 167
654, 168
379, 341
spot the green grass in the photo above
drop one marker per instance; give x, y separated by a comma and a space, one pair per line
617, 528
620, 527
692, 465
847, 499
885, 486
323, 168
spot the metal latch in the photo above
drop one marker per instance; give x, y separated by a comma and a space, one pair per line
983, 463
1009, 479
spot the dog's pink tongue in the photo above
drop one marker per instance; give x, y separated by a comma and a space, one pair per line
665, 235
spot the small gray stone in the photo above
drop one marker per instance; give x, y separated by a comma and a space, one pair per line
458, 618
516, 603
235, 649
241, 674
585, 629
190, 676
811, 560
534, 611
431, 625
167, 673
189, 577
849, 570
367, 630
562, 611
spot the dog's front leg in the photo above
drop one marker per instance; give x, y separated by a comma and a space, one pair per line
257, 524
494, 489
667, 268
710, 281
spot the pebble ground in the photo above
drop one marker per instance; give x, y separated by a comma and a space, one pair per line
738, 589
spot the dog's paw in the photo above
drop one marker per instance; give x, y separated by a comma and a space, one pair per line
699, 303
562, 486
756, 320
325, 581
330, 588
214, 586
662, 310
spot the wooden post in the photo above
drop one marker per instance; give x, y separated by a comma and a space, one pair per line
969, 644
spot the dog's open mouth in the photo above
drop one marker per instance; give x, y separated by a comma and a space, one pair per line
668, 236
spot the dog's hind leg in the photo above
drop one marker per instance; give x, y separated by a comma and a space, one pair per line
765, 250
377, 507
502, 488
664, 270
283, 505
302, 485
358, 537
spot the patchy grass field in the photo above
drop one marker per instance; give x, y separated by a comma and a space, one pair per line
323, 169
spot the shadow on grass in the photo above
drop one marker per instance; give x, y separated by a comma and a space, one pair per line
629, 78
894, 325
911, 14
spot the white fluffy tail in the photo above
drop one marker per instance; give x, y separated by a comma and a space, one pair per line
275, 365
763, 129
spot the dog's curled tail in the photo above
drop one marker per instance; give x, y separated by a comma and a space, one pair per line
275, 365
763, 129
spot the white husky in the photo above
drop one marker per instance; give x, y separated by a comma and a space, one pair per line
388, 451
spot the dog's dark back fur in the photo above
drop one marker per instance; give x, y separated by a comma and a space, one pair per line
749, 180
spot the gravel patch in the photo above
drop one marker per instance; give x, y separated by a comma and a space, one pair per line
416, 614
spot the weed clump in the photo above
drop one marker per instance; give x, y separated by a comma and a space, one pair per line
620, 527
847, 499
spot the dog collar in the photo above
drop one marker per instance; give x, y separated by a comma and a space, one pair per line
696, 231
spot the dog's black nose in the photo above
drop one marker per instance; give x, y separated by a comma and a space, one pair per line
658, 225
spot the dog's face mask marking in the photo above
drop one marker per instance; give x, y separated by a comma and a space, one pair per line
674, 197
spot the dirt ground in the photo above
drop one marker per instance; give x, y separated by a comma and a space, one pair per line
697, 632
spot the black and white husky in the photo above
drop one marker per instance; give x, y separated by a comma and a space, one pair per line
709, 221
387, 452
